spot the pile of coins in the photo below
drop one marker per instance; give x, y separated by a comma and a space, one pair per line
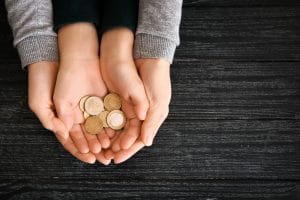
100, 114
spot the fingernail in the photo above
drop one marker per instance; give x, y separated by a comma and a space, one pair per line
149, 140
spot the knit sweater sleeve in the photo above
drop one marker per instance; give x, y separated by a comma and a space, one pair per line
157, 33
32, 26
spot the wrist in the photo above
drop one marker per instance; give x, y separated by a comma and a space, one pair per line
117, 44
78, 41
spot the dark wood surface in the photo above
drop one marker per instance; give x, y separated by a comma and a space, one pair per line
233, 131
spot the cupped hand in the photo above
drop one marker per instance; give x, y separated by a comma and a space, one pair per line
120, 75
155, 75
41, 81
78, 76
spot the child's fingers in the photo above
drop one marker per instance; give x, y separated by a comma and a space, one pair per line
110, 132
79, 139
65, 113
103, 139
93, 142
102, 159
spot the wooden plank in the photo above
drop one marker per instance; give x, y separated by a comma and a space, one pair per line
148, 188
247, 34
195, 149
201, 90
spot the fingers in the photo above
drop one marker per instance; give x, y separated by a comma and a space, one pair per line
102, 159
124, 155
65, 113
70, 147
110, 132
79, 139
93, 142
104, 140
139, 101
130, 133
155, 117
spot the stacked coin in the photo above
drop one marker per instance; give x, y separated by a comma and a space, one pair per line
100, 114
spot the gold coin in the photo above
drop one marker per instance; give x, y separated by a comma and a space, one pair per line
93, 125
82, 101
112, 101
103, 116
93, 105
116, 119
85, 115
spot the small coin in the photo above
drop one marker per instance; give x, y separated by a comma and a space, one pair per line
93, 105
85, 115
82, 101
93, 125
112, 101
103, 116
116, 119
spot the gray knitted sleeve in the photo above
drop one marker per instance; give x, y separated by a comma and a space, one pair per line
157, 33
32, 27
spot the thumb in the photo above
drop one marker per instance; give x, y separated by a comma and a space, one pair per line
155, 117
65, 114
52, 123
140, 101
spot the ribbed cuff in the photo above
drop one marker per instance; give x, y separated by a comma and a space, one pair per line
38, 48
151, 46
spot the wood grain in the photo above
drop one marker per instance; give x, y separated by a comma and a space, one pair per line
233, 130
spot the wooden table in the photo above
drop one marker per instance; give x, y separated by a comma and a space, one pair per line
234, 126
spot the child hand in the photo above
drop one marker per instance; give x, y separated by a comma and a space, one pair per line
120, 75
155, 74
79, 75
41, 81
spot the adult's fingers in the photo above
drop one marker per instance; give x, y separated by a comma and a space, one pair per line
65, 113
70, 147
130, 133
124, 155
50, 122
155, 117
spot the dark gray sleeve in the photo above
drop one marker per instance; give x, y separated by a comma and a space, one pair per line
157, 33
32, 25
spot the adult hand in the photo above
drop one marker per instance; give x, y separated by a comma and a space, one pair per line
120, 75
41, 81
79, 75
155, 74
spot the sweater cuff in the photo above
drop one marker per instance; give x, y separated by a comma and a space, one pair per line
151, 46
37, 48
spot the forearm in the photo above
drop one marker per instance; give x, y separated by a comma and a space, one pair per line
157, 33
31, 23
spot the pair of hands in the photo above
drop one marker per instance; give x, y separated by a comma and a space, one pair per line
144, 85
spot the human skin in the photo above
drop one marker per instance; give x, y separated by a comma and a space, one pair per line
41, 82
120, 75
155, 75
79, 75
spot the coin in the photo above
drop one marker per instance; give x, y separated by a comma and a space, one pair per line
82, 101
85, 115
93, 105
116, 119
93, 125
103, 116
112, 101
